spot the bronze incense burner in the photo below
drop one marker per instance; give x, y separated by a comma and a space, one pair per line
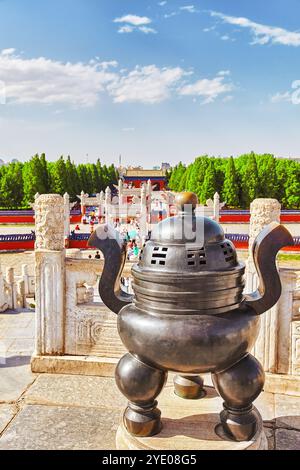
189, 315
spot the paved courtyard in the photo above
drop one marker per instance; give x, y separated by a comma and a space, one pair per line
79, 412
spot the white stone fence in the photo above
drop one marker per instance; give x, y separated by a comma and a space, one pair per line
15, 290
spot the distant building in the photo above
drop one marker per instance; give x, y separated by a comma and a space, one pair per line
135, 177
166, 166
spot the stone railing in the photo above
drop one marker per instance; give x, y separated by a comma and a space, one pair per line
18, 237
15, 290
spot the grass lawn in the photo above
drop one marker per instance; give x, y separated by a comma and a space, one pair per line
289, 257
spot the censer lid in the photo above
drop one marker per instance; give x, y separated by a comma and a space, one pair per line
188, 245
188, 266
186, 227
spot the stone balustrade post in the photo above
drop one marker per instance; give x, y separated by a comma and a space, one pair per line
50, 274
11, 288
107, 204
143, 216
67, 215
263, 212
25, 278
3, 296
149, 201
82, 204
217, 207
101, 204
21, 296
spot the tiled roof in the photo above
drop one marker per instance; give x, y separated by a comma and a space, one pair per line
145, 173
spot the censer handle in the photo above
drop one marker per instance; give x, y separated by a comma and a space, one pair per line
264, 250
107, 240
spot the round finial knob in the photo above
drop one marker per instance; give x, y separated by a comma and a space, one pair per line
186, 198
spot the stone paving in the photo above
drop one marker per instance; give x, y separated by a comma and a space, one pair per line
78, 412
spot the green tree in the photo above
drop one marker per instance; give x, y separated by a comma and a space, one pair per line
34, 180
292, 188
177, 176
58, 177
197, 174
209, 186
231, 190
73, 184
282, 169
11, 186
266, 165
251, 187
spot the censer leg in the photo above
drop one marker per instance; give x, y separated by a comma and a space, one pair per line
141, 384
239, 386
189, 387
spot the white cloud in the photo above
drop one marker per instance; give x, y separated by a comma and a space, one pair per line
208, 89
279, 97
262, 34
107, 64
207, 30
147, 30
227, 98
225, 37
9, 51
133, 20
48, 82
189, 9
128, 129
162, 4
146, 84
126, 29
170, 15
224, 73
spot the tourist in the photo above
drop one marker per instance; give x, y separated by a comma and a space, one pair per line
135, 250
77, 227
97, 256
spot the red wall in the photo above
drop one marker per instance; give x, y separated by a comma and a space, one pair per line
14, 246
237, 218
24, 219
28, 219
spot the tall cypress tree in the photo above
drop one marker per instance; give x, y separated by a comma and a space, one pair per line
251, 189
266, 165
11, 186
292, 188
209, 187
230, 193
59, 182
34, 180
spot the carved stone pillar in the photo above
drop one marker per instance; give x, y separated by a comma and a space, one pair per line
102, 204
82, 204
67, 215
11, 288
107, 204
25, 278
143, 217
149, 200
50, 274
263, 212
217, 207
3, 296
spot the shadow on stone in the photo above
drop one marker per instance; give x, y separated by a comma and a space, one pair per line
14, 361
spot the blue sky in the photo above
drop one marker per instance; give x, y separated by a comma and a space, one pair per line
151, 80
